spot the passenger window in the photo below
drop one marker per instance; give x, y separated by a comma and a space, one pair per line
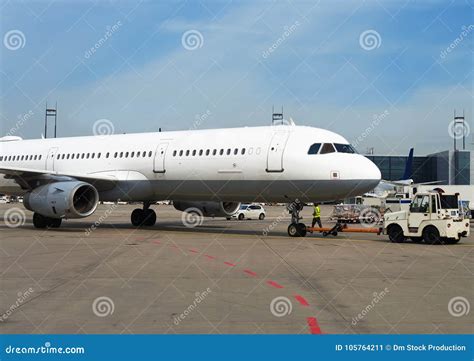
228, 151
126, 154
194, 152
221, 152
187, 153
236, 151
314, 149
243, 151
214, 152
344, 148
327, 148
180, 153
150, 153
208, 151
121, 154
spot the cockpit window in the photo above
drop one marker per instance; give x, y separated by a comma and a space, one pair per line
344, 148
314, 149
327, 148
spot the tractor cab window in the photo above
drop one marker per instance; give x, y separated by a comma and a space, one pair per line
420, 204
344, 148
314, 149
327, 148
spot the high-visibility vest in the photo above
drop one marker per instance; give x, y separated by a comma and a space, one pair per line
317, 212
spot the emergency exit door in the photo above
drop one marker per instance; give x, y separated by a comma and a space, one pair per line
159, 161
276, 150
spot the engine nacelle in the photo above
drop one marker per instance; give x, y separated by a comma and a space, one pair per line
63, 200
208, 209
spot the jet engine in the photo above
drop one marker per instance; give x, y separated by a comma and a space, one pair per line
70, 199
208, 209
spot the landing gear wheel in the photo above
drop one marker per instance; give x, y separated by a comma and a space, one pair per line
241, 217
40, 221
137, 217
297, 230
395, 234
431, 235
261, 216
54, 222
301, 229
149, 216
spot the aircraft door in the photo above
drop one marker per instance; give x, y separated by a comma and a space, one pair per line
276, 150
50, 159
159, 161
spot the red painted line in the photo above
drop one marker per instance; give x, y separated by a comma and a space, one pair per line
210, 257
252, 273
301, 300
313, 326
274, 284
193, 250
230, 264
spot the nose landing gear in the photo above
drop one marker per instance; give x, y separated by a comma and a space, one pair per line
296, 229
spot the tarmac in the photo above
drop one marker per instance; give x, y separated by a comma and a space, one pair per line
101, 275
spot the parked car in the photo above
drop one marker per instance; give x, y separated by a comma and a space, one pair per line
249, 211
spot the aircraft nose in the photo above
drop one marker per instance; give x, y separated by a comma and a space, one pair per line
370, 173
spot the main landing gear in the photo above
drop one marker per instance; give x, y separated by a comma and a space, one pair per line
296, 229
143, 217
40, 221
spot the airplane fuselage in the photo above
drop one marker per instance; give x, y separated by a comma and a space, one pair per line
265, 164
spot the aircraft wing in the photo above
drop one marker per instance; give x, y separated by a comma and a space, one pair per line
28, 178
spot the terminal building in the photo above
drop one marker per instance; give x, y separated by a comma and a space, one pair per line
453, 167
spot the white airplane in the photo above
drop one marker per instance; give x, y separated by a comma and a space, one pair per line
209, 170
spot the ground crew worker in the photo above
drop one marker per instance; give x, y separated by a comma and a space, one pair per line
316, 216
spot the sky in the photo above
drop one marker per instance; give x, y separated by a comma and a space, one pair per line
386, 75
